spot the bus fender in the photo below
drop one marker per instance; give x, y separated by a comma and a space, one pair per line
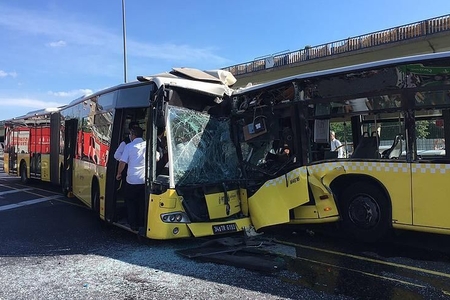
331, 175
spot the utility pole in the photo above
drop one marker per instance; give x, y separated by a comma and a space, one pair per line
124, 43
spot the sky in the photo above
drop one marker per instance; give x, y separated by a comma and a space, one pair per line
54, 51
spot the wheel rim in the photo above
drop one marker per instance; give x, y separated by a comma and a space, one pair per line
364, 212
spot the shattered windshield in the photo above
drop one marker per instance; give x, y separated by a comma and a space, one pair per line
201, 150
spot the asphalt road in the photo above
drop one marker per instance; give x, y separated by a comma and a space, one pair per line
52, 247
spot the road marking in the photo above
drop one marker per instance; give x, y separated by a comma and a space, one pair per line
29, 202
367, 259
14, 191
362, 272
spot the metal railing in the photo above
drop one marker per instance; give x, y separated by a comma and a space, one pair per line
387, 36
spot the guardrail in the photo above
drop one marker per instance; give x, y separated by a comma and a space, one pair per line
387, 36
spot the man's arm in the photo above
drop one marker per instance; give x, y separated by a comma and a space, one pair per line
119, 151
120, 170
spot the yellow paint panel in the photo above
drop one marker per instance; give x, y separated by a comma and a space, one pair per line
394, 176
6, 162
270, 205
431, 190
217, 207
45, 167
305, 212
156, 228
244, 202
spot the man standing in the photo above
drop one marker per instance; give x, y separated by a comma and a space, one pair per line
119, 151
134, 156
336, 145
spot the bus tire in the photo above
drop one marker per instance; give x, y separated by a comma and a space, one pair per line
62, 182
23, 173
95, 198
366, 212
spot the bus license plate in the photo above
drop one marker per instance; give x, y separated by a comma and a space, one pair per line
224, 228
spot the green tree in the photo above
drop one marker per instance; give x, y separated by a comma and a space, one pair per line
342, 131
422, 129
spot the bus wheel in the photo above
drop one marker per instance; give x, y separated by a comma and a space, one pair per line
95, 198
62, 183
23, 173
365, 212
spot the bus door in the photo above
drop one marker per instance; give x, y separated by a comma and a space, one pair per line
13, 138
70, 138
55, 124
114, 203
35, 151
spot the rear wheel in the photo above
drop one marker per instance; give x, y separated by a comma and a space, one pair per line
23, 173
95, 198
366, 211
62, 182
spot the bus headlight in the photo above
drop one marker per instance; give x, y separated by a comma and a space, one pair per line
175, 217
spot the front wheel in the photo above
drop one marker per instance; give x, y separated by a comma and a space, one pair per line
365, 211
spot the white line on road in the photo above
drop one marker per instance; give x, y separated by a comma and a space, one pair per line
29, 202
14, 191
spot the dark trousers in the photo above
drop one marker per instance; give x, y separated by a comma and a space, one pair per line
135, 201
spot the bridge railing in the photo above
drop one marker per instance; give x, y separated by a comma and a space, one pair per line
387, 36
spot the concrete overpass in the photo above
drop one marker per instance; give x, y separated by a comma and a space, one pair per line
427, 36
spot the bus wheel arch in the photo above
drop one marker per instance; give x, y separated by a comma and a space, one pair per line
364, 205
23, 172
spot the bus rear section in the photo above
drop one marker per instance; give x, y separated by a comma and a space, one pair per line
30, 149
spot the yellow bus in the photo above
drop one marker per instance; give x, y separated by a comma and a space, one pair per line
198, 192
30, 150
391, 119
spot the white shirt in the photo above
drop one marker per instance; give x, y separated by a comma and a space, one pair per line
336, 144
134, 156
359, 104
119, 151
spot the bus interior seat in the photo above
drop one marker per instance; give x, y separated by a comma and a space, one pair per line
396, 149
367, 147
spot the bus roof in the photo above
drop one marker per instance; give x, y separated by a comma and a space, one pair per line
214, 82
370, 65
36, 114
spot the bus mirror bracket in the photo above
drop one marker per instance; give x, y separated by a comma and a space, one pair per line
167, 95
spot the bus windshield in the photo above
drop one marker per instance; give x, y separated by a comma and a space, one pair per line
200, 148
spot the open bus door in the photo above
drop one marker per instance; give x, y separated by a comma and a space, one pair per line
115, 209
70, 138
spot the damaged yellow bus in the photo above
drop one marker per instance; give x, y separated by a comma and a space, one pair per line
198, 191
392, 121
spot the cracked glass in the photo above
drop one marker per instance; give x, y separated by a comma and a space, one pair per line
201, 149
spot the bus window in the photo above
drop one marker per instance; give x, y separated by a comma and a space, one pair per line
430, 136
